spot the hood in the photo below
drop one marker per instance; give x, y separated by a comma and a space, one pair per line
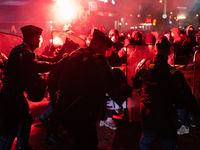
176, 32
190, 32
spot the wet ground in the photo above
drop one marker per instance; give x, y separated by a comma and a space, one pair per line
126, 137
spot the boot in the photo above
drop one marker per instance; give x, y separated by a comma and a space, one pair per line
54, 139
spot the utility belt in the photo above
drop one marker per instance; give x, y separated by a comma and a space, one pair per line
162, 108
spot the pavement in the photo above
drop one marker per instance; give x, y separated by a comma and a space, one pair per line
126, 137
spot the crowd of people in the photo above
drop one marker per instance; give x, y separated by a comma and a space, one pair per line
91, 83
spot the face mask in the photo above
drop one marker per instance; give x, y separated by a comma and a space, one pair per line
114, 39
190, 33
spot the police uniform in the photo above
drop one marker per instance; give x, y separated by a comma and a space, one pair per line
22, 64
163, 90
84, 81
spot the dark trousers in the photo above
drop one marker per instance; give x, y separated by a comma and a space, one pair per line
183, 116
16, 120
83, 132
161, 123
75, 118
22, 131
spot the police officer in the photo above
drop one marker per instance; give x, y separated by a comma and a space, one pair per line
21, 66
163, 89
84, 81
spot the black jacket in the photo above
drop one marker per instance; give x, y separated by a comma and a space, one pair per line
86, 77
22, 64
162, 85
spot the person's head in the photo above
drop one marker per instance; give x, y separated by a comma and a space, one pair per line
150, 41
190, 31
100, 43
91, 32
175, 32
114, 35
32, 35
198, 32
162, 46
121, 36
137, 36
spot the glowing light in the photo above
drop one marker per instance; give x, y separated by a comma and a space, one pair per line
50, 21
182, 7
120, 23
126, 23
105, 1
113, 2
154, 22
197, 15
164, 16
66, 9
160, 1
51, 28
138, 15
170, 22
181, 16
131, 15
41, 41
135, 27
57, 41
171, 13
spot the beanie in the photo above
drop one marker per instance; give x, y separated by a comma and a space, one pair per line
163, 42
150, 39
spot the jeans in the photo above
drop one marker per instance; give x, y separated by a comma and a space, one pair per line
22, 132
159, 122
183, 116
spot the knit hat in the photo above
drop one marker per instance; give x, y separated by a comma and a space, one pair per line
137, 35
150, 39
163, 42
31, 31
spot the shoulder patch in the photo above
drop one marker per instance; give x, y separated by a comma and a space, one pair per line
151, 66
173, 70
